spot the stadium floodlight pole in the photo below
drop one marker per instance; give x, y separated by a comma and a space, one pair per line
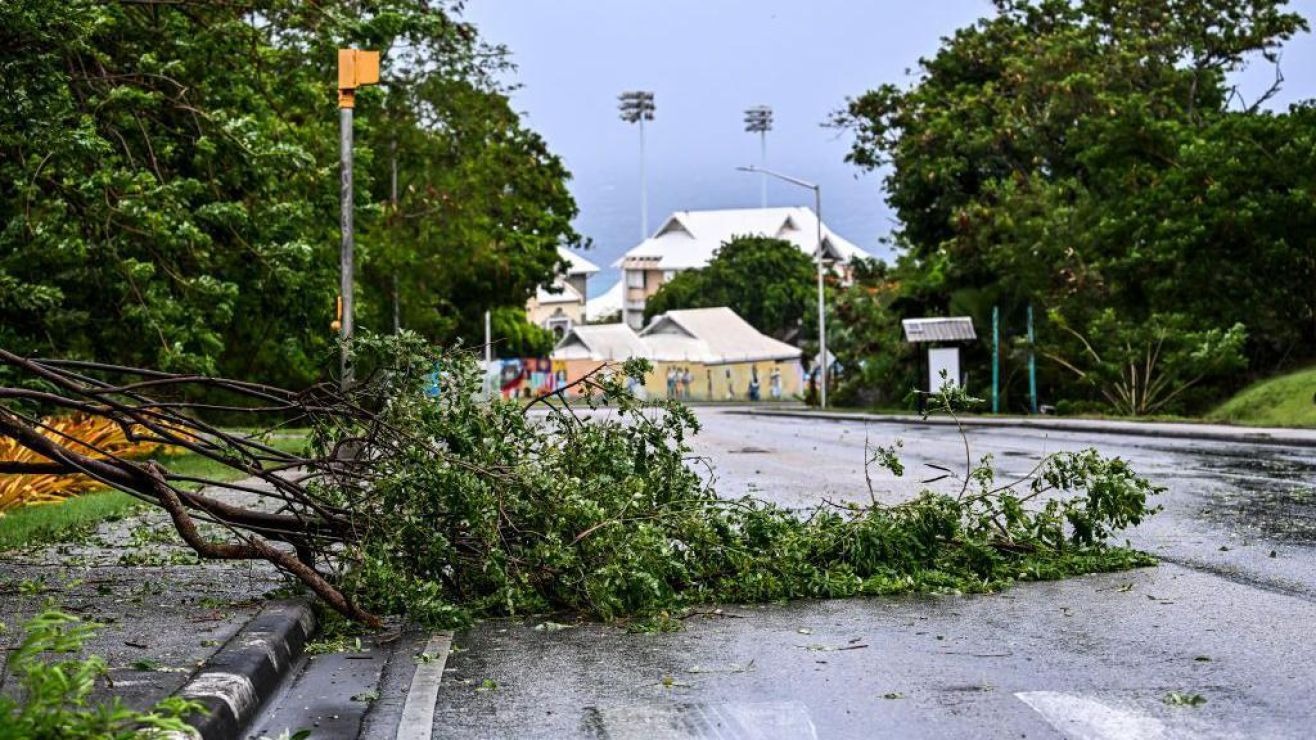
636, 106
758, 120
822, 312
356, 68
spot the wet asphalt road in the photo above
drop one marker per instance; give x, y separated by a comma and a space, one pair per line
1226, 616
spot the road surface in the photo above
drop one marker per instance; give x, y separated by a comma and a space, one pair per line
1225, 617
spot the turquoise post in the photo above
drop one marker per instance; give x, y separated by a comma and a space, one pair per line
996, 359
1032, 364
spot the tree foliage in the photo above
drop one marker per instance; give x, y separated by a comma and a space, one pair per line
602, 514
769, 282
417, 497
54, 693
169, 181
1092, 155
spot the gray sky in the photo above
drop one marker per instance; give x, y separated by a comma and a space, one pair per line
706, 61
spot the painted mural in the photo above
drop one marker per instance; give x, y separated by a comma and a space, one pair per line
525, 377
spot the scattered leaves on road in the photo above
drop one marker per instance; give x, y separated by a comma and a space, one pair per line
552, 627
1177, 699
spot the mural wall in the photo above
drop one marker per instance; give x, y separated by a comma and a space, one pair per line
744, 381
525, 377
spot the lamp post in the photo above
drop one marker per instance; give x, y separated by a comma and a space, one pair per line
822, 313
356, 68
758, 120
636, 106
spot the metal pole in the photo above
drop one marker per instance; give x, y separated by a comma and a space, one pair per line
996, 359
1032, 364
393, 200
822, 308
644, 188
488, 358
763, 179
488, 340
345, 253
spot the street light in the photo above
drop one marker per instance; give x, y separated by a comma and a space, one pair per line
636, 106
758, 120
822, 314
356, 68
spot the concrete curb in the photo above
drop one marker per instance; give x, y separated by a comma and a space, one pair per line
248, 669
1204, 432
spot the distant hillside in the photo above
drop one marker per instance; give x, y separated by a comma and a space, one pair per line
1285, 401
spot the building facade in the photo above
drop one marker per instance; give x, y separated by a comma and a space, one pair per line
561, 306
688, 240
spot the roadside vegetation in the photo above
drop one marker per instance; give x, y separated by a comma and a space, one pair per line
1096, 161
168, 196
78, 515
45, 693
446, 509
598, 510
1285, 401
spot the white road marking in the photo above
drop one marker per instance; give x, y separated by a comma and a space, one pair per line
417, 721
1084, 718
733, 721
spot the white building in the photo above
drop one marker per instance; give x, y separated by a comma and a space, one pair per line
687, 240
562, 306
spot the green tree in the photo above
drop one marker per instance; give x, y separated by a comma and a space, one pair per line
864, 334
169, 181
769, 282
1089, 155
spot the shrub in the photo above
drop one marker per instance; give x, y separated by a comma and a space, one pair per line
53, 700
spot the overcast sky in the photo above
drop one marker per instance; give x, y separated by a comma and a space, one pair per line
708, 60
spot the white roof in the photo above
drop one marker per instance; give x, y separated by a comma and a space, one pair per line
688, 239
711, 335
565, 294
605, 305
600, 342
577, 265
939, 329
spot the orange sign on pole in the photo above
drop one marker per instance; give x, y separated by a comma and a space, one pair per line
356, 68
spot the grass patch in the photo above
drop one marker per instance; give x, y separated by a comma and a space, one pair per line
46, 523
1284, 401
33, 525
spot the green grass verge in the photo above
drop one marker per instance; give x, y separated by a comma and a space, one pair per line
1284, 401
35, 525
48, 523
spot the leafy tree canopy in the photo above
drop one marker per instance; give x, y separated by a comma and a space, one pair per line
169, 181
769, 282
1091, 155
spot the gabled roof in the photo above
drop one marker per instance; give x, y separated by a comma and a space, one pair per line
954, 329
711, 335
577, 265
689, 239
601, 342
565, 294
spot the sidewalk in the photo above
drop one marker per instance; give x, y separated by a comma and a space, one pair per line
1207, 432
166, 619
